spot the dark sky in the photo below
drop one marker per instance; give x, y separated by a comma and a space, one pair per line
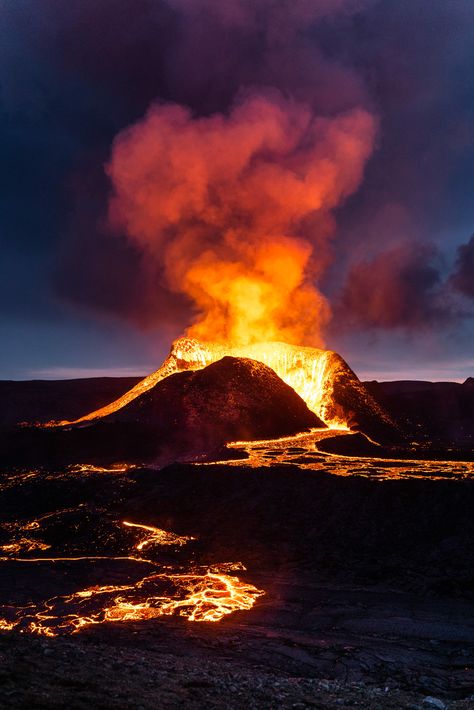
74, 74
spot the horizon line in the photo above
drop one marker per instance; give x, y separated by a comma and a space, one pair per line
439, 374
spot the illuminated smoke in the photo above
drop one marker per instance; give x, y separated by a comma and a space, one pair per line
399, 287
234, 209
463, 277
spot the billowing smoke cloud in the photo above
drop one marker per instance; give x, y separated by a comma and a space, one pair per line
463, 275
223, 46
72, 81
244, 104
399, 288
232, 208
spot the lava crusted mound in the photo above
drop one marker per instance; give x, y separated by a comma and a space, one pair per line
232, 399
353, 445
186, 415
321, 377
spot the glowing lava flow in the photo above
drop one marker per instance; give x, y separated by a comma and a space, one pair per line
7, 625
91, 468
158, 536
194, 596
207, 597
309, 371
301, 450
24, 544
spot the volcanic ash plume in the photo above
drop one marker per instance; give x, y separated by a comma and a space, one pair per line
234, 210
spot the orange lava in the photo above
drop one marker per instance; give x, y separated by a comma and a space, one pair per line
24, 544
157, 536
301, 450
194, 596
7, 625
309, 371
206, 597
91, 468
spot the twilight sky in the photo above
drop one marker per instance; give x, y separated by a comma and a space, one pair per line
81, 297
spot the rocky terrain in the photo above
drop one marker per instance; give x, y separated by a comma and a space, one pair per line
44, 400
368, 587
171, 665
440, 412
363, 565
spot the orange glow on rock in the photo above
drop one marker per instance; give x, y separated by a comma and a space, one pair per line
157, 536
309, 371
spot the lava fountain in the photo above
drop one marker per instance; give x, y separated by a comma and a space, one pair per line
233, 211
320, 377
311, 372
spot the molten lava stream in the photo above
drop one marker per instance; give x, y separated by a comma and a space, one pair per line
207, 597
194, 596
158, 536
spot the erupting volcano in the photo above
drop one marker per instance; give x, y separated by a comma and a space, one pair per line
321, 378
233, 212
242, 200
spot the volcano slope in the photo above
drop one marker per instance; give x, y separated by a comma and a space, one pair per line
322, 378
188, 414
197, 412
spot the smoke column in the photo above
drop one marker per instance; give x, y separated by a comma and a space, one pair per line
233, 209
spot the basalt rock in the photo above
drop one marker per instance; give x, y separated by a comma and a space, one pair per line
186, 415
233, 399
441, 413
322, 378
